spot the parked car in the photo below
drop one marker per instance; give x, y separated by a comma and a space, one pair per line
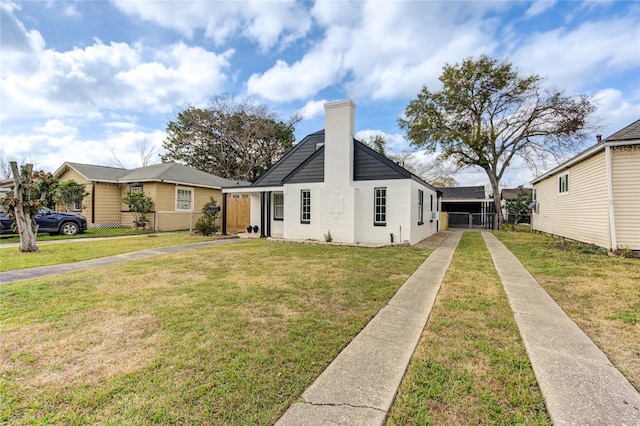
50, 221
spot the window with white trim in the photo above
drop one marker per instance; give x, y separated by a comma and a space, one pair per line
278, 206
420, 207
563, 183
380, 206
184, 199
135, 188
305, 206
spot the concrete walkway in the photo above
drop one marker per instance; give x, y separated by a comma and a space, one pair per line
44, 271
359, 386
579, 384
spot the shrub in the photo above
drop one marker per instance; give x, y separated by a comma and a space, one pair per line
139, 205
206, 225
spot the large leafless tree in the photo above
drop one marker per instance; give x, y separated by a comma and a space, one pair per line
486, 114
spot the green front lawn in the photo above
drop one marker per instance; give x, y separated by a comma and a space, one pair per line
89, 233
222, 335
470, 367
54, 254
599, 293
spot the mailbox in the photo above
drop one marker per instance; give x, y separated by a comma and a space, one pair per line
214, 209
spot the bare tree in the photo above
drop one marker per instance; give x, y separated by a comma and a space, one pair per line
5, 164
146, 150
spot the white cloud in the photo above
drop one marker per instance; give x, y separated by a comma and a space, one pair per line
539, 7
614, 111
111, 76
572, 59
48, 148
384, 49
56, 127
265, 23
313, 109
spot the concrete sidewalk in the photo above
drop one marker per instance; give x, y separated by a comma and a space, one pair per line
359, 386
579, 384
44, 271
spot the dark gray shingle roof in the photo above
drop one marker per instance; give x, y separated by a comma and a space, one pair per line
368, 164
632, 131
463, 192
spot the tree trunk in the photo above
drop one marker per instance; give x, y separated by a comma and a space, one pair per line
496, 201
24, 222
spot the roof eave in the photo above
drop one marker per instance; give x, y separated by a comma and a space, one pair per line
583, 156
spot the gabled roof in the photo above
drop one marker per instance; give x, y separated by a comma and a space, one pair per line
630, 135
290, 161
164, 172
305, 163
632, 131
92, 172
463, 193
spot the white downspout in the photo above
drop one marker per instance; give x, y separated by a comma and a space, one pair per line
612, 219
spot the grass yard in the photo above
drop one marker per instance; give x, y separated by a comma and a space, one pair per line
222, 335
470, 366
89, 233
54, 254
600, 293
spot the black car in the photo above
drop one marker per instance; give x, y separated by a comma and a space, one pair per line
50, 221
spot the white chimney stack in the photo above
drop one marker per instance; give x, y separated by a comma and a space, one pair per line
338, 142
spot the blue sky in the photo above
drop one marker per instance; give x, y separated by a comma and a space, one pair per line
82, 80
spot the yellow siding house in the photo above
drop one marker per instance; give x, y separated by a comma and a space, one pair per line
178, 193
595, 196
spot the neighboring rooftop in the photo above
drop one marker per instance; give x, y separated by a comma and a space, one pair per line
632, 131
513, 193
164, 172
463, 193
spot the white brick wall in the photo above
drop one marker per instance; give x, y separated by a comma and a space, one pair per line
295, 230
344, 207
338, 143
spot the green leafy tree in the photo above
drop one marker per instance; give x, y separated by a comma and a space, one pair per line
230, 138
207, 224
486, 113
69, 194
140, 205
30, 189
377, 143
519, 206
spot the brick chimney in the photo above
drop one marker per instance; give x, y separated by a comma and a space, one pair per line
338, 142
599, 138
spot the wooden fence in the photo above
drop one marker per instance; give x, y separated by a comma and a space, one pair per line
238, 214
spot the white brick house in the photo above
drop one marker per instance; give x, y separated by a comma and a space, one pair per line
330, 182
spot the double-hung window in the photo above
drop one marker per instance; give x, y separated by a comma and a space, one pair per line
563, 183
305, 206
278, 206
380, 206
184, 198
420, 207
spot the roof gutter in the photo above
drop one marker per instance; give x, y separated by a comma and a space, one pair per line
583, 155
